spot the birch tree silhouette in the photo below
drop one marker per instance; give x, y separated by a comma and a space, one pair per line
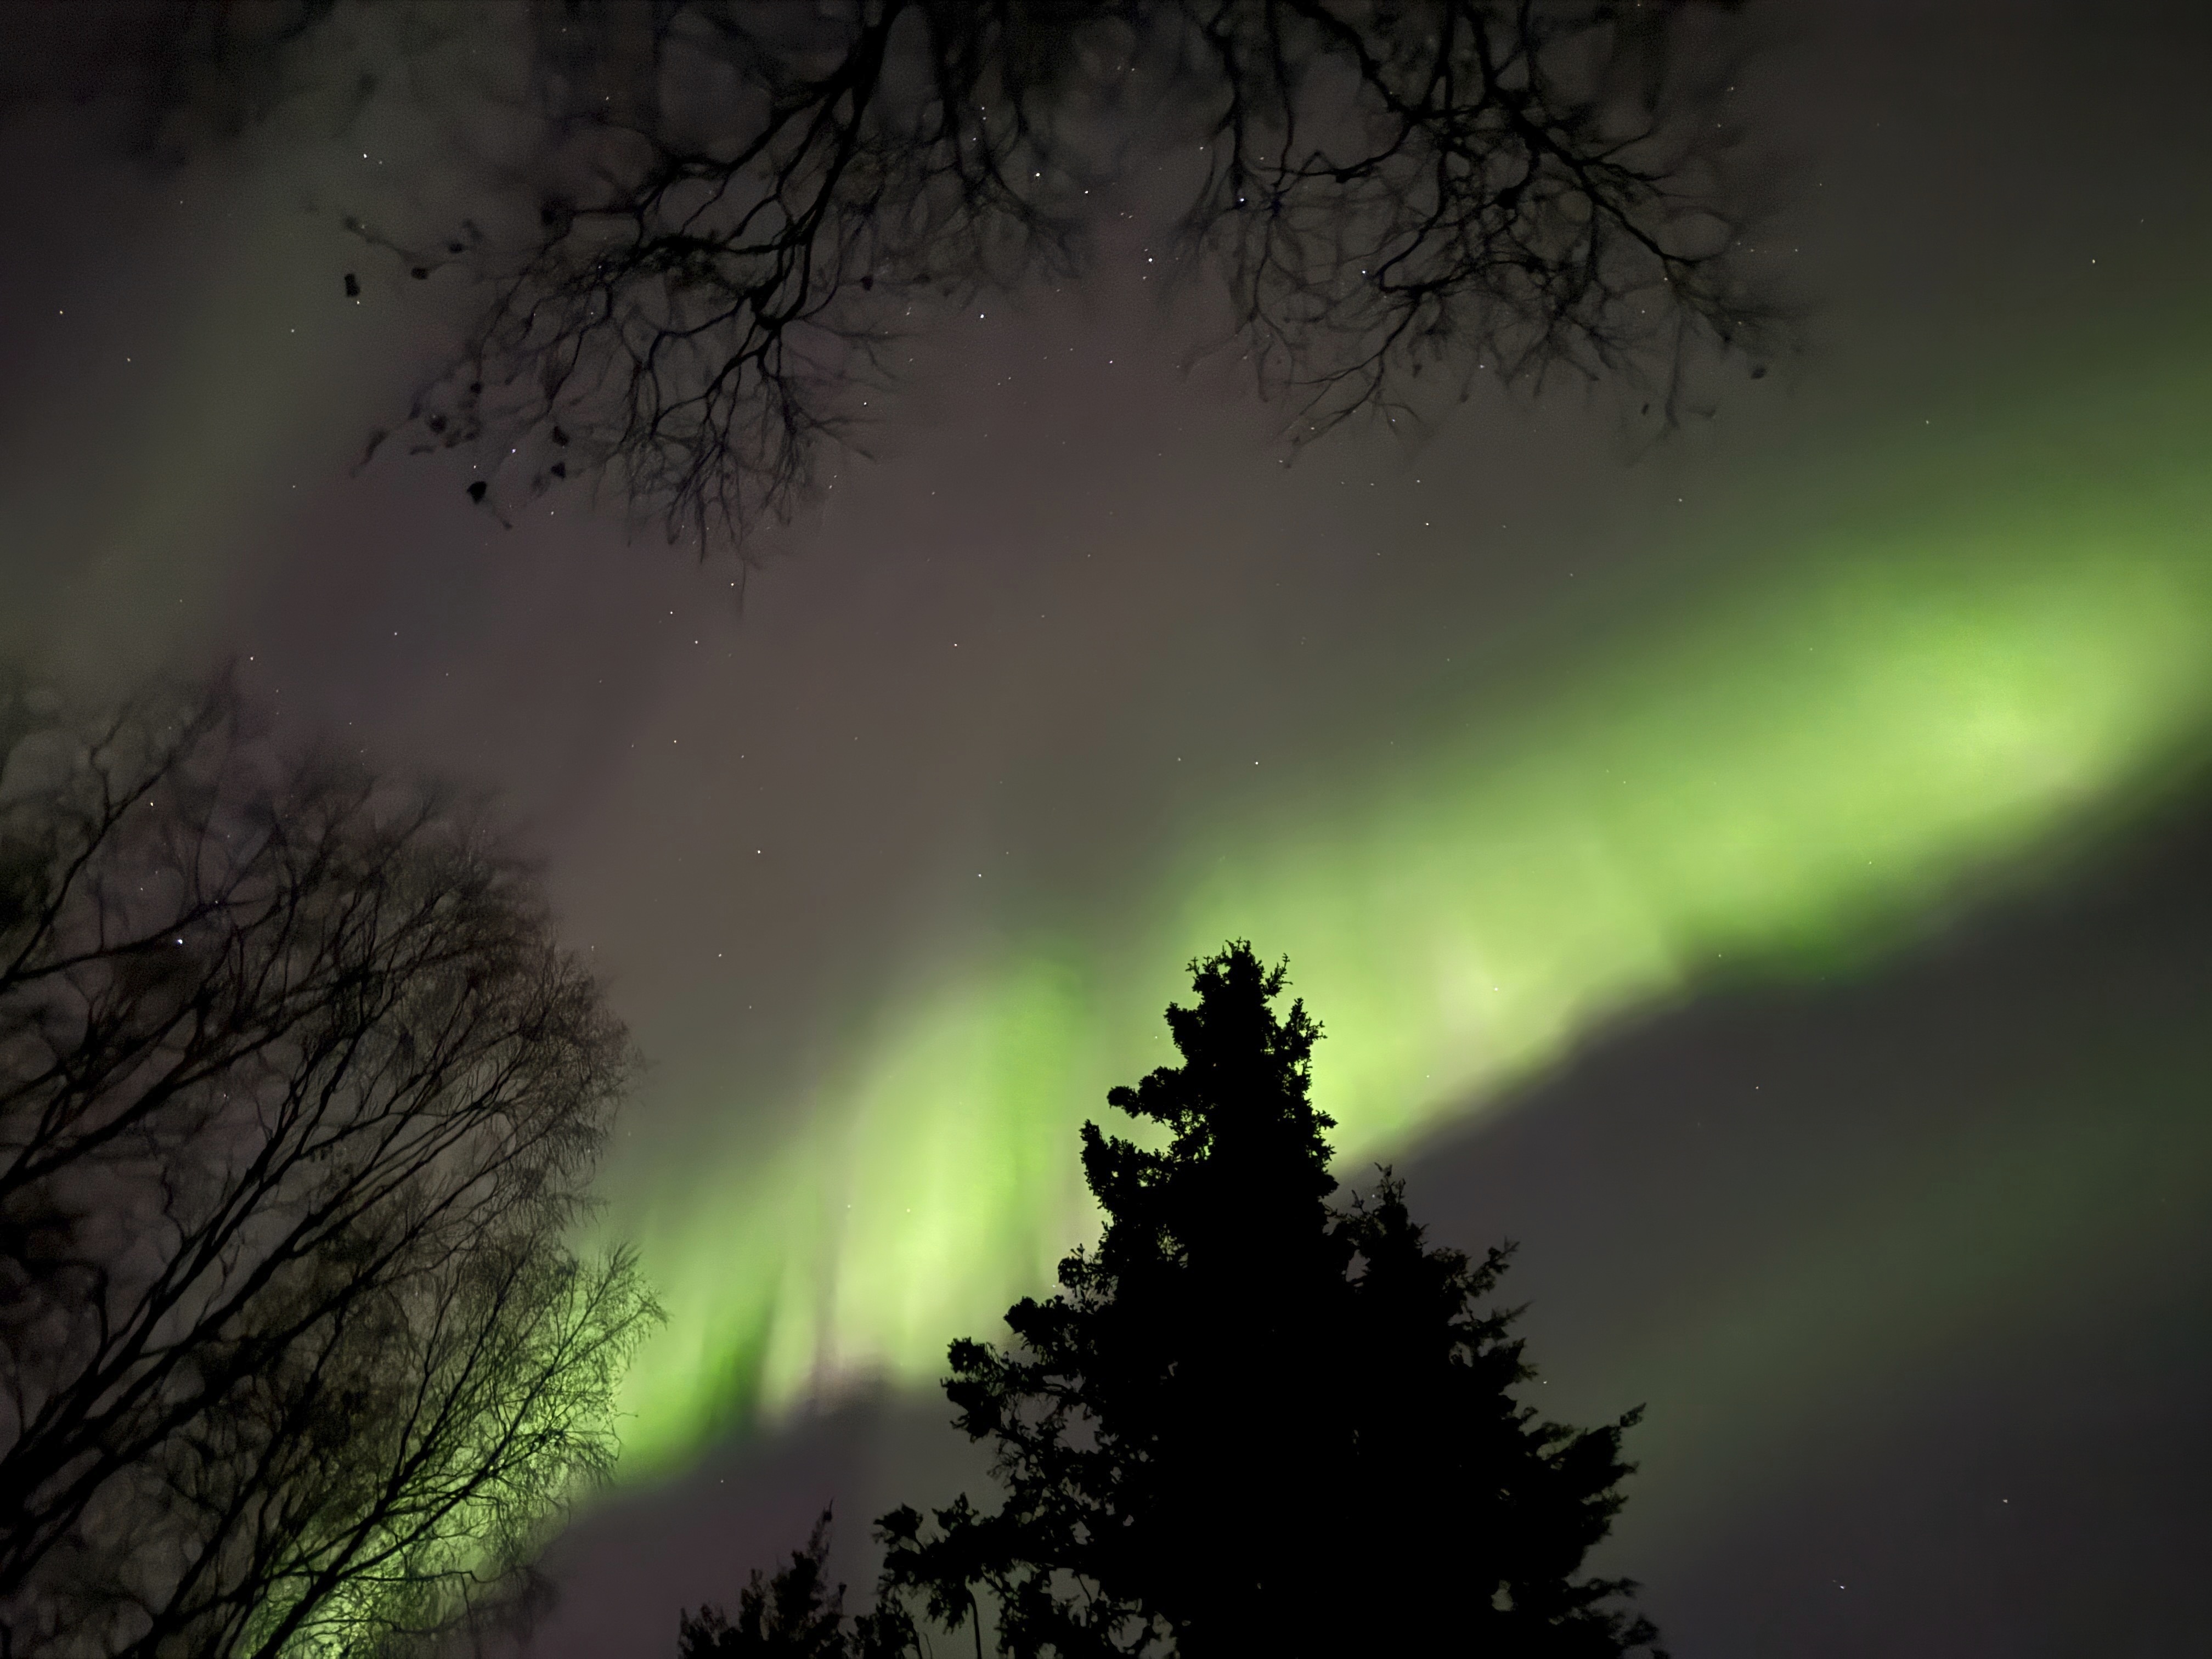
298, 1100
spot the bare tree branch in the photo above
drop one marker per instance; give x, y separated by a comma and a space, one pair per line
725, 252
716, 277
1475, 187
715, 221
297, 1101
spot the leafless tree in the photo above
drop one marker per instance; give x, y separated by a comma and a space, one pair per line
298, 1099
742, 208
1470, 185
721, 216
1389, 188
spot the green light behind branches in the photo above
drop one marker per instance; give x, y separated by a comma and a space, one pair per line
1919, 674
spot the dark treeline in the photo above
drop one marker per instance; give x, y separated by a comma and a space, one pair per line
1252, 1420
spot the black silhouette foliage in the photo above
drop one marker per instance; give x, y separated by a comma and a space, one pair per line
1252, 1421
796, 1613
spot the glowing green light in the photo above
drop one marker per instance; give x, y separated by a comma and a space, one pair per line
1909, 686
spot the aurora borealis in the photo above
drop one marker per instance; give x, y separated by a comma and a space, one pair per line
1763, 873
1996, 644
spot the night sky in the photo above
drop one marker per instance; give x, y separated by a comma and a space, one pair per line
1767, 874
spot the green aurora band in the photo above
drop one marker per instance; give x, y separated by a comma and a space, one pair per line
1976, 654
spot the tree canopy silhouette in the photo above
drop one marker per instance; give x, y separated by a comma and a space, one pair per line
796, 1613
298, 1100
712, 226
1252, 1420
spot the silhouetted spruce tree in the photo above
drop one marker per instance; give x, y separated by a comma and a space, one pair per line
796, 1613
1254, 1423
